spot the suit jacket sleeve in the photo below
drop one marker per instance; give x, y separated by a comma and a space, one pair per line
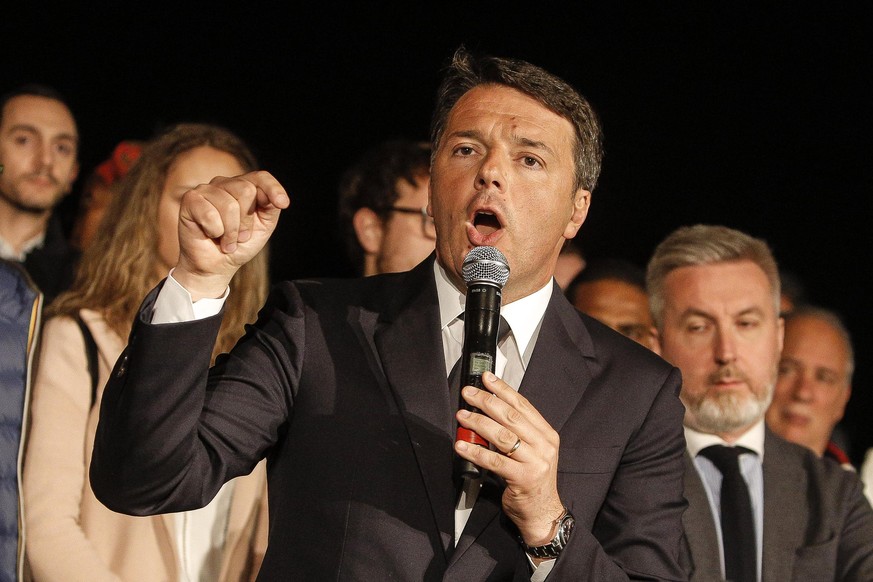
855, 554
171, 431
637, 531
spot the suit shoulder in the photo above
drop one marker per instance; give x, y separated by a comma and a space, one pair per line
609, 343
346, 291
825, 473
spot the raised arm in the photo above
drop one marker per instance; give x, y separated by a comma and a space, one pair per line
162, 444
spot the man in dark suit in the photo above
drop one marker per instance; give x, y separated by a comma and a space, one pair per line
775, 511
342, 384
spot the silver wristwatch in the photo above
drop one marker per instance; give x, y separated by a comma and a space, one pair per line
552, 549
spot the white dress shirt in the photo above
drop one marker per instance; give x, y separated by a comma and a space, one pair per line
8, 252
867, 474
751, 467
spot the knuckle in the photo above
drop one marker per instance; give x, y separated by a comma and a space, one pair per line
553, 440
549, 451
211, 213
228, 206
522, 403
498, 462
193, 198
506, 436
514, 416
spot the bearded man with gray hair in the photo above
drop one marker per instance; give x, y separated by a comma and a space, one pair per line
760, 508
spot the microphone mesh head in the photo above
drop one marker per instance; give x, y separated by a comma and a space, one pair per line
485, 265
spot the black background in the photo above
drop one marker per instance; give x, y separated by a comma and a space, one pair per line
753, 115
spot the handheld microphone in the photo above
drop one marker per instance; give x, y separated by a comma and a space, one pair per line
485, 271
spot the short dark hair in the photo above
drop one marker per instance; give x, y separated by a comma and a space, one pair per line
616, 269
466, 72
34, 90
371, 182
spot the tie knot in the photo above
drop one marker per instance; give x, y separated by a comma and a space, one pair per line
726, 459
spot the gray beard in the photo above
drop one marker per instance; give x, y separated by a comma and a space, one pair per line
727, 413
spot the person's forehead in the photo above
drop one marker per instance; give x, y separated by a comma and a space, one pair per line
43, 113
615, 298
816, 339
610, 286
523, 110
721, 288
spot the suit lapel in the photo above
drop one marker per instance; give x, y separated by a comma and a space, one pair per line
785, 509
409, 345
557, 376
699, 524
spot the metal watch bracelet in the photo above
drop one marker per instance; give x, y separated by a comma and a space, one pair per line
554, 548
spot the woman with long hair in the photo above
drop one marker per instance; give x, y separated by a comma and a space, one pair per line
70, 534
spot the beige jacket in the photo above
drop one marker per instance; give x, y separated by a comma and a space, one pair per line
70, 534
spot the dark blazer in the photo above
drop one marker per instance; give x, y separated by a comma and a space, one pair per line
342, 385
817, 523
53, 266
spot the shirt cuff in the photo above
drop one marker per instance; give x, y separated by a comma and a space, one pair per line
540, 572
174, 304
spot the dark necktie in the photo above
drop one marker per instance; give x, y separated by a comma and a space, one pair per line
737, 522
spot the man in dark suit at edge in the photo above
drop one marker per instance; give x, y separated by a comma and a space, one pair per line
714, 294
342, 384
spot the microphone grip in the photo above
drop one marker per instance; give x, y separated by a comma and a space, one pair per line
468, 469
481, 322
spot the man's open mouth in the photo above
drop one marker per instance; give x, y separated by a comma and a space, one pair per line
486, 223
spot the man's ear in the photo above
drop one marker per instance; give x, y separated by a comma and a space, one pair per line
581, 202
654, 342
368, 228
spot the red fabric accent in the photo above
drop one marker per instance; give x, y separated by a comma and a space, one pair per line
119, 163
837, 454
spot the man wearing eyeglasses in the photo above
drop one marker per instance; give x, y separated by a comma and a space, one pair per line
383, 208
